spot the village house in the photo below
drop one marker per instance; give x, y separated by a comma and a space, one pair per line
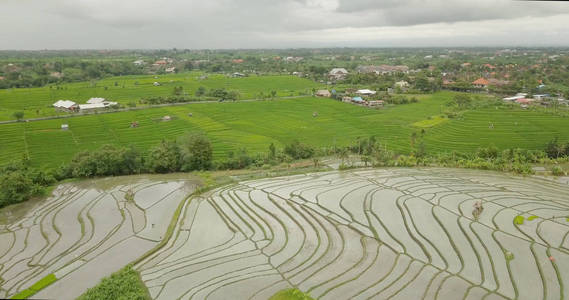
338, 74
524, 101
402, 84
65, 105
156, 83
323, 93
96, 100
375, 103
160, 63
366, 92
480, 83
138, 62
358, 100
237, 74
170, 70
498, 82
294, 59
514, 98
347, 99
85, 107
541, 97
382, 69
96, 103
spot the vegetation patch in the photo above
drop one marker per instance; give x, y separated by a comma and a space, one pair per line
124, 285
531, 218
519, 220
291, 294
36, 287
430, 122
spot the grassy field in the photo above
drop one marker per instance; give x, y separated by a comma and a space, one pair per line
36, 102
254, 125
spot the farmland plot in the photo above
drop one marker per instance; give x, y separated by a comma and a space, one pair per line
86, 231
392, 233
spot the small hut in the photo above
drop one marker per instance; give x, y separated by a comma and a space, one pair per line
166, 118
64, 126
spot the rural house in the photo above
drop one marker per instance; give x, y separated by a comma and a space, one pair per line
323, 93
338, 74
383, 69
402, 84
375, 103
66, 105
170, 70
96, 100
480, 83
366, 92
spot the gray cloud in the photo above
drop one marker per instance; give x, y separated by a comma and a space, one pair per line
60, 24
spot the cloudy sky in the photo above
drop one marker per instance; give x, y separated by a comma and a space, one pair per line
198, 24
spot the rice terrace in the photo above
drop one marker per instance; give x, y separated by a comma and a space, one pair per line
393, 233
284, 150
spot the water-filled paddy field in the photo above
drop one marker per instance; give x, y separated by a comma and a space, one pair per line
360, 234
396, 233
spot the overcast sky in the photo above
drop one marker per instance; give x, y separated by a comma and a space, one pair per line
198, 24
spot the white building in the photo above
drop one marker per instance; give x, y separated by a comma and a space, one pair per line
402, 84
65, 105
338, 73
366, 92
84, 107
96, 100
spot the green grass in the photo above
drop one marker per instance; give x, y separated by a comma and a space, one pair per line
531, 218
36, 287
124, 284
36, 102
291, 294
254, 125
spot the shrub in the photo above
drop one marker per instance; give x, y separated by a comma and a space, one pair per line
297, 150
19, 182
557, 171
108, 160
291, 294
519, 220
122, 285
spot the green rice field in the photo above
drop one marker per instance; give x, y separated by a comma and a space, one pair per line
37, 102
254, 125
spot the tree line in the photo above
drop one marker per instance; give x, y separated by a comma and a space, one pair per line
19, 181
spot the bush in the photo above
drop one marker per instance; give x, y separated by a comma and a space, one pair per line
297, 150
557, 171
291, 294
108, 160
19, 182
122, 285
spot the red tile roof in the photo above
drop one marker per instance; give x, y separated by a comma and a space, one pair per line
480, 81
